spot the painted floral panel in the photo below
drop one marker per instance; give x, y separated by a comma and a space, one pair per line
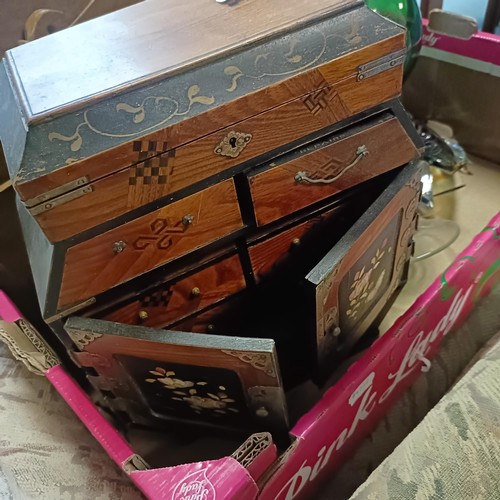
189, 391
369, 278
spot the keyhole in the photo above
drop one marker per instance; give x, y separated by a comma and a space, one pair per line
232, 142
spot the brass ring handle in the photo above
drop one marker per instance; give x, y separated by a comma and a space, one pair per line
361, 152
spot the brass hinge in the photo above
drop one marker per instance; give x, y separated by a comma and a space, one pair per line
385, 63
70, 310
134, 463
59, 195
28, 346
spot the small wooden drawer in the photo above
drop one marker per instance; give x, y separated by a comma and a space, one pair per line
132, 249
205, 321
270, 253
317, 171
173, 170
171, 302
293, 248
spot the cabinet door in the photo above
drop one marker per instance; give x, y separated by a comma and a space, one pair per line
159, 376
352, 283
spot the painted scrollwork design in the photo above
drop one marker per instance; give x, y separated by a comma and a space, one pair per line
138, 114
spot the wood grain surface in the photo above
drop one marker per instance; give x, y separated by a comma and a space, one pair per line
146, 40
267, 254
197, 126
161, 345
98, 264
171, 302
205, 321
277, 193
114, 195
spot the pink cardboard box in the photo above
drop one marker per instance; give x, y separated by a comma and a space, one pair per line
444, 87
329, 433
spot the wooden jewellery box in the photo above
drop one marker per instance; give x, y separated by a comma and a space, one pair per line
218, 199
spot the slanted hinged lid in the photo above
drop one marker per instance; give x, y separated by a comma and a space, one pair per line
164, 73
145, 41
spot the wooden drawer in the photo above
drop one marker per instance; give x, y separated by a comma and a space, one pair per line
316, 172
204, 322
168, 172
268, 254
132, 249
171, 302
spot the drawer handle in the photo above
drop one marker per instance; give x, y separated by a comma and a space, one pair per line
162, 234
361, 152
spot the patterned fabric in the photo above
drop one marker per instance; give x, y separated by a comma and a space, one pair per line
454, 454
457, 350
45, 451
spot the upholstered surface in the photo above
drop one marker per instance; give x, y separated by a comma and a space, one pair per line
456, 352
454, 454
45, 451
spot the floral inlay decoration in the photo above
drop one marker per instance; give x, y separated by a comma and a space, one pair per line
194, 394
367, 282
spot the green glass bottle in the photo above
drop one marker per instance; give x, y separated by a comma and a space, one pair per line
407, 14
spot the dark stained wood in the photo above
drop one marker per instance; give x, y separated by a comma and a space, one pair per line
276, 193
268, 254
349, 287
173, 301
193, 128
98, 264
197, 160
120, 353
205, 321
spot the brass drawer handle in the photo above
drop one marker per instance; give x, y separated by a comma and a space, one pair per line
361, 152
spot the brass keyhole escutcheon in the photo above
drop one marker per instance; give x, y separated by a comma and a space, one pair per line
233, 144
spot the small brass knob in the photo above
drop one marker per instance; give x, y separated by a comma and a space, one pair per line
143, 315
296, 242
195, 292
119, 246
262, 412
211, 328
187, 220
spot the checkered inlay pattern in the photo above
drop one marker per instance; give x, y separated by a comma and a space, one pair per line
153, 170
149, 178
160, 298
146, 149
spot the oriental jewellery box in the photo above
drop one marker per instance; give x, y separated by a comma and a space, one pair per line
218, 198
